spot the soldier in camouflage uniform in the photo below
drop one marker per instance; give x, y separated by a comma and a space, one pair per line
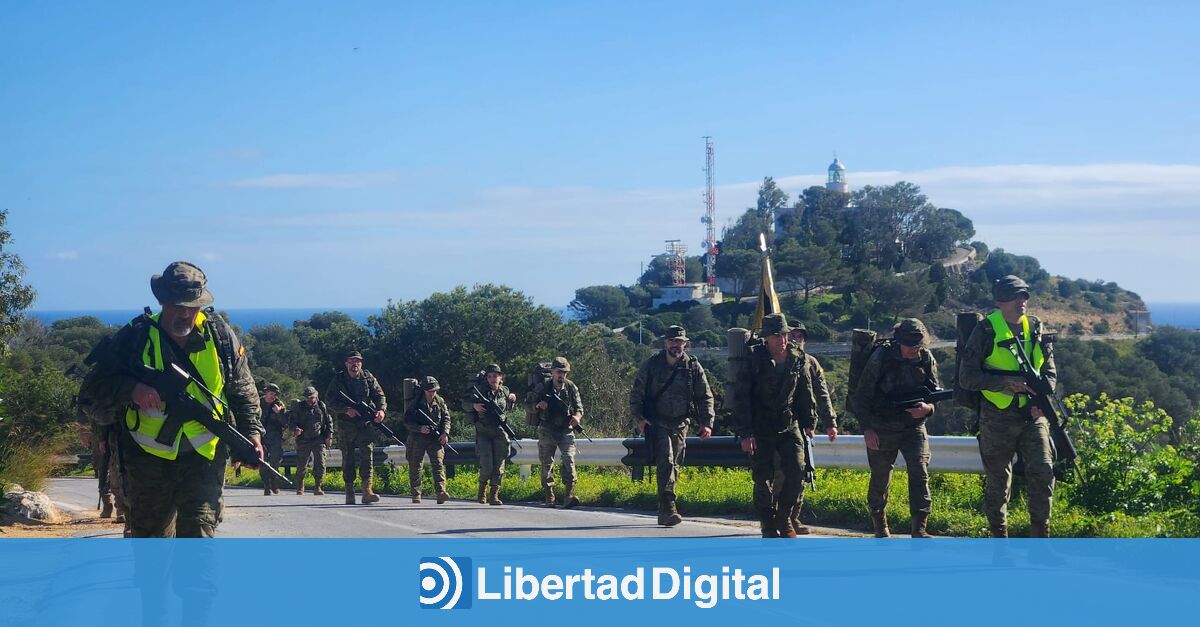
274, 419
772, 402
355, 433
312, 424
104, 448
174, 489
491, 442
798, 336
559, 411
422, 440
670, 391
896, 368
1008, 422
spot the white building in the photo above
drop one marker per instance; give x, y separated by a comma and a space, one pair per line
688, 291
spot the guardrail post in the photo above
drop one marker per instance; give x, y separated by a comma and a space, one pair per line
525, 470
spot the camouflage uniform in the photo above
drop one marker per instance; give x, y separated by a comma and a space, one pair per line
1013, 430
555, 432
824, 408
419, 445
112, 493
491, 442
355, 436
886, 373
272, 441
687, 397
316, 423
772, 402
180, 497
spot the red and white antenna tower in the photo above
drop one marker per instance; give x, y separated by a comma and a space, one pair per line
710, 219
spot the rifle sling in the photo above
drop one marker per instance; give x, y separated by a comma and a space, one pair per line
172, 425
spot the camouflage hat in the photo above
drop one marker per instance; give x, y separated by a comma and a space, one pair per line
430, 384
910, 332
675, 332
774, 324
310, 391
493, 368
271, 387
183, 284
1007, 288
353, 355
800, 328
560, 363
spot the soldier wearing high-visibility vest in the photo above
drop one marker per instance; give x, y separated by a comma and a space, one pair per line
175, 471
1009, 422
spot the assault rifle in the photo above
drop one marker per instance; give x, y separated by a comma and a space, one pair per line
494, 410
928, 394
367, 412
1052, 407
558, 405
171, 386
427, 421
810, 466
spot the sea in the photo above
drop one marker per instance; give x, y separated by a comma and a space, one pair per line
244, 318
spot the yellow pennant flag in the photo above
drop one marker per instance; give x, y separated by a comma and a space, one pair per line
768, 300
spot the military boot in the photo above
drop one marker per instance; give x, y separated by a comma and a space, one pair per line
569, 499
300, 483
350, 494
998, 531
319, 491
783, 524
669, 516
766, 521
416, 496
919, 521
1039, 529
548, 498
369, 495
482, 489
442, 496
494, 496
801, 529
106, 506
879, 521
266, 491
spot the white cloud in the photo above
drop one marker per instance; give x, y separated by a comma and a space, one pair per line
351, 180
210, 256
65, 255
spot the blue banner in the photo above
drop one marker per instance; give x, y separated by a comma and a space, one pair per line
302, 582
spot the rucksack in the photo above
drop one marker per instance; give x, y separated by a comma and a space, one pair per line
412, 391
863, 344
538, 375
965, 323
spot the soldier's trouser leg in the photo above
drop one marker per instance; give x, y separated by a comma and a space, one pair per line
500, 445
303, 451
998, 440
437, 463
274, 455
881, 462
762, 470
668, 454
180, 498
349, 463
915, 448
414, 450
115, 485
547, 444
483, 448
318, 462
1034, 444
566, 449
366, 463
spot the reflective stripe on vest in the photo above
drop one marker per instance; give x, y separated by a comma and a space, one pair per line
144, 424
1005, 360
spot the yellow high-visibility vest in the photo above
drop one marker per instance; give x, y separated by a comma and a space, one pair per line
1004, 360
145, 423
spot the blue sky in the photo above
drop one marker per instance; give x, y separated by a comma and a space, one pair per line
342, 155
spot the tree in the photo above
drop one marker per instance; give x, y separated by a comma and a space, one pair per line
599, 303
1000, 263
822, 217
15, 295
327, 337
743, 234
740, 267
699, 317
938, 232
279, 349
807, 268
658, 273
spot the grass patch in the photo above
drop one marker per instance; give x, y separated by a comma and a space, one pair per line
29, 462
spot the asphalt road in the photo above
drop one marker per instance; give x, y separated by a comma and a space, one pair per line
249, 514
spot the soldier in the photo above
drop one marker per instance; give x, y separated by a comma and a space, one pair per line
669, 391
824, 408
108, 471
901, 367
422, 439
1008, 422
491, 442
312, 425
772, 402
274, 419
559, 411
355, 433
174, 488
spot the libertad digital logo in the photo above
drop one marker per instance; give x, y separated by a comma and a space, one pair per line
442, 582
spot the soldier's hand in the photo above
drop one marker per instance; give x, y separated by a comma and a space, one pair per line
480, 407
444, 440
810, 432
512, 398
146, 397
920, 410
832, 433
1034, 411
541, 406
704, 432
425, 430
1019, 386
642, 424
298, 431
574, 422
258, 451
329, 441
749, 445
872, 439
379, 416
353, 413
103, 447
